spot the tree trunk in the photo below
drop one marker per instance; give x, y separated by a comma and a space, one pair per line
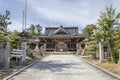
83, 51
94, 56
110, 51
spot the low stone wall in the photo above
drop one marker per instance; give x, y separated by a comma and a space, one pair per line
2, 58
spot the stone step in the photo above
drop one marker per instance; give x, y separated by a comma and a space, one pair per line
61, 52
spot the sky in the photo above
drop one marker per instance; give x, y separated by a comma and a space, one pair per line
53, 13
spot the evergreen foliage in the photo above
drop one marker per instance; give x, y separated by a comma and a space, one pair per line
34, 30
15, 40
5, 19
2, 38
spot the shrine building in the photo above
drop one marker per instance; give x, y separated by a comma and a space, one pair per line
61, 39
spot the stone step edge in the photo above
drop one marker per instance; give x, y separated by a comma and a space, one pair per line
21, 70
103, 70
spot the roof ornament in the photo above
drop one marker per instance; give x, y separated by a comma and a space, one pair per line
61, 26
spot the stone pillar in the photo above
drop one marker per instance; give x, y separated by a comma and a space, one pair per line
7, 56
28, 51
77, 45
119, 57
101, 52
44, 47
42, 51
24, 45
37, 48
2, 56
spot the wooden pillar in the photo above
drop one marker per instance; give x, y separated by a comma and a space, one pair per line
67, 45
70, 45
53, 44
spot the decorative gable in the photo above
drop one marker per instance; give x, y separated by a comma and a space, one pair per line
61, 30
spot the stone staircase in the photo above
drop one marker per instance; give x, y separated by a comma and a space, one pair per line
62, 52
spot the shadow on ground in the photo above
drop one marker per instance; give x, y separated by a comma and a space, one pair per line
54, 66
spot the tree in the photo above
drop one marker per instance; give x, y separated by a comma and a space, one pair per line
39, 29
2, 38
34, 30
116, 43
92, 45
31, 30
4, 20
106, 27
15, 40
88, 30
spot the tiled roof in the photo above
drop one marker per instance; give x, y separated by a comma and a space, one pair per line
65, 30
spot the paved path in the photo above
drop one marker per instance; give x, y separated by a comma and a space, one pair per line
62, 67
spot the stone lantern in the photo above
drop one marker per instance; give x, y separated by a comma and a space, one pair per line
36, 48
42, 48
24, 35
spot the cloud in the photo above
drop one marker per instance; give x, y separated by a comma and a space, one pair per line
64, 12
16, 25
58, 12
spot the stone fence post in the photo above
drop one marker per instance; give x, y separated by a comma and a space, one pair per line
2, 56
7, 56
101, 52
24, 44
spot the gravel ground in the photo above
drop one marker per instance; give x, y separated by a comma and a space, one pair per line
62, 67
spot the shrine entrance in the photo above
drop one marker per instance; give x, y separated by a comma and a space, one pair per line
61, 46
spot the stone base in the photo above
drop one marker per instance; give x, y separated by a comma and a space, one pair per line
119, 62
101, 61
36, 52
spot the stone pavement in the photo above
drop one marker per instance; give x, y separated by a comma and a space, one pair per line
62, 67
